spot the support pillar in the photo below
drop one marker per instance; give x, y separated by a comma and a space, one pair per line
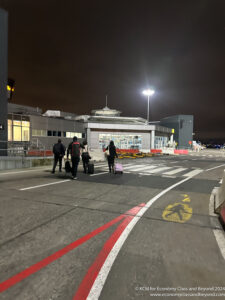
152, 144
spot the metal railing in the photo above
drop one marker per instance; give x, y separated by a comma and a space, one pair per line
23, 149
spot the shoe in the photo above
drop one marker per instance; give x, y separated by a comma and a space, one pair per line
53, 172
74, 178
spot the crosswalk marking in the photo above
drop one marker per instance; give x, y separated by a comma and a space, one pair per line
131, 167
143, 167
159, 169
156, 170
192, 173
175, 171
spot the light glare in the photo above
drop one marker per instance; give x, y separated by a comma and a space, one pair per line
148, 92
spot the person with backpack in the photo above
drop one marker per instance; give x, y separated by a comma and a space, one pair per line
111, 154
59, 152
85, 156
74, 151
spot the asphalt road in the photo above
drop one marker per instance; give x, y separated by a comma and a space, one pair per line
154, 233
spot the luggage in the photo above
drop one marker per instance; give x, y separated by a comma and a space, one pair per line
67, 167
90, 168
118, 169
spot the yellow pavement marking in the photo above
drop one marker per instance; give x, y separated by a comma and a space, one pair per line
178, 212
186, 198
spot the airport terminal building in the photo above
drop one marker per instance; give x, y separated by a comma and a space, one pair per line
28, 125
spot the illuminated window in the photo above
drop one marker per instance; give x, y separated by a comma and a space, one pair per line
25, 134
39, 132
68, 134
16, 123
10, 130
17, 133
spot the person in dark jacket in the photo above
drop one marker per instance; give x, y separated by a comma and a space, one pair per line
85, 156
111, 156
74, 151
59, 152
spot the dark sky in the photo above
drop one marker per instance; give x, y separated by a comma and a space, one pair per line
68, 55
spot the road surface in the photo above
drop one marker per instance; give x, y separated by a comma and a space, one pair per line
142, 235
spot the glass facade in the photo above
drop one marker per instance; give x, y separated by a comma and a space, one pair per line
161, 141
127, 141
72, 134
18, 128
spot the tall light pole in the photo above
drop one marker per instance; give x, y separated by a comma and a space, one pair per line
148, 93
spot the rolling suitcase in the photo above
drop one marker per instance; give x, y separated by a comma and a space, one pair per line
90, 168
118, 169
68, 168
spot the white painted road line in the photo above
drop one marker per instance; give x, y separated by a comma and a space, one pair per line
132, 166
175, 171
42, 185
215, 167
18, 172
219, 234
103, 274
157, 170
143, 167
193, 173
99, 174
100, 166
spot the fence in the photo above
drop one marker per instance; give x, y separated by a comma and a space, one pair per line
23, 149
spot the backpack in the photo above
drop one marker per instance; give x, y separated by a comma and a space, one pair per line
75, 149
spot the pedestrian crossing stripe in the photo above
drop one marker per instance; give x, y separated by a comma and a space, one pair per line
159, 169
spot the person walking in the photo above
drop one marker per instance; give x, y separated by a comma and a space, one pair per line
74, 151
59, 152
85, 156
111, 156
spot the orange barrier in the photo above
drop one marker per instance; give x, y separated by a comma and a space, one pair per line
156, 150
181, 151
40, 153
120, 151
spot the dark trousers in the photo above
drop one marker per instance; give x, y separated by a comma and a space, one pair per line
85, 161
110, 162
75, 163
57, 159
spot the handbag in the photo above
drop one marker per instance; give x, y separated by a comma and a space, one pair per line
107, 152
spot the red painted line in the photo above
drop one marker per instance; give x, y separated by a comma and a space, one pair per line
46, 261
92, 273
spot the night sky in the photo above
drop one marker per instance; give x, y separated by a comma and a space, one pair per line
68, 55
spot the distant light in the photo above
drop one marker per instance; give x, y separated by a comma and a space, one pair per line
148, 92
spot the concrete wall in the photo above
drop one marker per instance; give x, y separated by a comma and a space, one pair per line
3, 80
56, 124
11, 163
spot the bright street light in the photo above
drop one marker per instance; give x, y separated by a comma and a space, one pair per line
148, 93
